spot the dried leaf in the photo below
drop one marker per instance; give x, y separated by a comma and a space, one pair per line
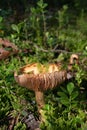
7, 48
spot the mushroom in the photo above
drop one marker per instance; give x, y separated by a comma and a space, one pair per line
39, 78
74, 59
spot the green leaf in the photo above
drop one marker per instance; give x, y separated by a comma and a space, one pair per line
64, 102
74, 95
70, 88
24, 113
63, 89
20, 126
74, 105
60, 57
15, 28
63, 95
1, 19
47, 107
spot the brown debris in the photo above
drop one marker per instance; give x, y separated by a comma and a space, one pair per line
7, 48
3, 53
13, 121
31, 122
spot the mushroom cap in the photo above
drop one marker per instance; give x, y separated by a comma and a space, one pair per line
74, 57
39, 78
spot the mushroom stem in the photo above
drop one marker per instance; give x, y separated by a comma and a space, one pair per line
40, 100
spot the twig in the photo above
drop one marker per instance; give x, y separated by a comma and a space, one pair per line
58, 50
56, 46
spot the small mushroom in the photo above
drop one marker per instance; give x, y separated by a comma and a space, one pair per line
39, 78
74, 59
